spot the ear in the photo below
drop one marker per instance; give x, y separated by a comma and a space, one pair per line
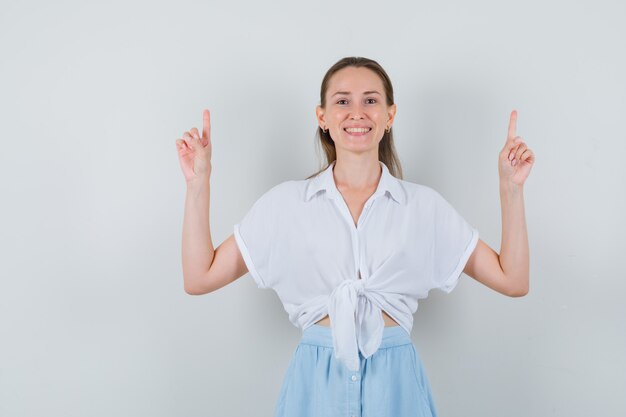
319, 111
391, 113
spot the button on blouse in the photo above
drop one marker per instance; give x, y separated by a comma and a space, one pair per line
300, 240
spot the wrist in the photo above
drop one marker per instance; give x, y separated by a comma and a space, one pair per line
199, 181
511, 188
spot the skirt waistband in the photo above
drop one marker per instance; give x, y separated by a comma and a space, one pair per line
319, 335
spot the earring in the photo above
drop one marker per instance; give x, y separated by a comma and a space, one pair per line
388, 129
324, 129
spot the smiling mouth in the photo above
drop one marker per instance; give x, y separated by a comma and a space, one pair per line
357, 131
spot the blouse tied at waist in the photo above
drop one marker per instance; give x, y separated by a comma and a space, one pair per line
356, 321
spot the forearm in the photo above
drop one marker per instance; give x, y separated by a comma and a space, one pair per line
197, 247
514, 252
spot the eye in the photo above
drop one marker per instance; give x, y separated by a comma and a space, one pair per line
339, 102
373, 99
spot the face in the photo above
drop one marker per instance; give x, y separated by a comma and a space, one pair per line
355, 98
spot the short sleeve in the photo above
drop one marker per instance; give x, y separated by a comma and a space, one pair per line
254, 237
454, 242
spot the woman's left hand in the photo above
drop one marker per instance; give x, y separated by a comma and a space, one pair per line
515, 159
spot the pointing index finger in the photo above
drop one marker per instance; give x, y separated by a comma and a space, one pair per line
513, 124
206, 123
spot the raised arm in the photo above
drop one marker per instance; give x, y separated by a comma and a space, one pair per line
508, 272
205, 269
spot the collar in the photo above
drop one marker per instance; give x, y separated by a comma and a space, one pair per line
326, 181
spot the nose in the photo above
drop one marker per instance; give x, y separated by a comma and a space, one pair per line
356, 112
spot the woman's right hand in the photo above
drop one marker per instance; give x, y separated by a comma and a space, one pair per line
194, 151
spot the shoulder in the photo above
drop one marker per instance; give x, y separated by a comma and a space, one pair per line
281, 195
420, 194
285, 190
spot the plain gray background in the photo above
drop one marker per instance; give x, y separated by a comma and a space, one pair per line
94, 320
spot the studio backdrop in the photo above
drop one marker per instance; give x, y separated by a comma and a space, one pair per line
94, 319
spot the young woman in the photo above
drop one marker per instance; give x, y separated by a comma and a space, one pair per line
349, 251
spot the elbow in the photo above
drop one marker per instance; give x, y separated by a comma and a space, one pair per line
197, 287
519, 291
192, 288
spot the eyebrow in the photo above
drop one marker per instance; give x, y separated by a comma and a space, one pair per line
348, 93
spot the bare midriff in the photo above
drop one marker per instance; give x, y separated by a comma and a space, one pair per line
386, 318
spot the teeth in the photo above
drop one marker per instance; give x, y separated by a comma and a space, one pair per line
358, 129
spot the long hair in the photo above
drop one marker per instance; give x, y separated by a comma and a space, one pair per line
386, 149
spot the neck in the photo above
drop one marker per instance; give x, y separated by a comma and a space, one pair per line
357, 173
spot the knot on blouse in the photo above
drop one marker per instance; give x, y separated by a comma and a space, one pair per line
357, 284
357, 323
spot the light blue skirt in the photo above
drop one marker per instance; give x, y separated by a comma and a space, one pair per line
390, 383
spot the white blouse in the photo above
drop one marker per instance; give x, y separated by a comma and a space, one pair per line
300, 240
